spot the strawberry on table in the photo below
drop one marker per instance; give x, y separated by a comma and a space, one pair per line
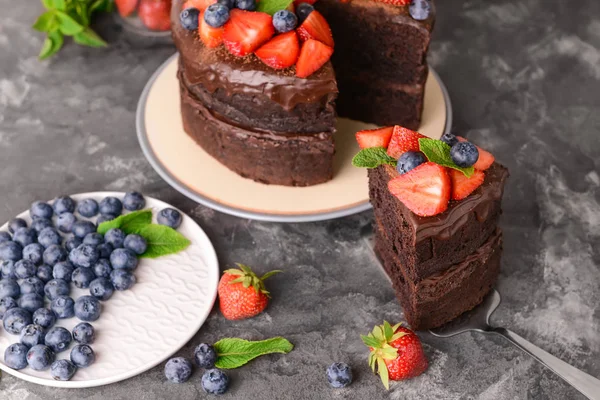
211, 37
242, 294
199, 4
462, 186
374, 137
313, 56
315, 27
280, 52
246, 31
485, 160
396, 353
155, 14
403, 140
126, 7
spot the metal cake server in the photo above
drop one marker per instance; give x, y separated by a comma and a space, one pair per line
478, 320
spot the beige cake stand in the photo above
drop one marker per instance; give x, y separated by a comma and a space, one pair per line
191, 171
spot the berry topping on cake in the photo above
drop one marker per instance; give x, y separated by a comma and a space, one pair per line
211, 37
126, 7
374, 137
284, 21
420, 9
313, 56
316, 27
303, 10
485, 160
409, 161
280, 52
464, 154
425, 190
395, 2
449, 138
155, 14
198, 4
216, 15
246, 31
462, 186
248, 5
189, 18
403, 140
227, 3
396, 353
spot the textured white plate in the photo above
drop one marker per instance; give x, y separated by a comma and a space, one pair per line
141, 327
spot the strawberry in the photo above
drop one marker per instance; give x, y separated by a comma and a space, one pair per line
425, 190
403, 140
211, 37
246, 31
395, 2
199, 4
485, 160
462, 186
155, 14
126, 7
396, 353
374, 137
242, 294
280, 52
313, 56
316, 27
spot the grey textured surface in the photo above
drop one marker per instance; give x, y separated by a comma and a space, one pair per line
524, 77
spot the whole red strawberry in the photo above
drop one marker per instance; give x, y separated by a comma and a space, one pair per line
242, 294
155, 14
396, 353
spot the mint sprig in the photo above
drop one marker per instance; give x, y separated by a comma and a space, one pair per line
233, 352
373, 157
128, 223
439, 152
272, 6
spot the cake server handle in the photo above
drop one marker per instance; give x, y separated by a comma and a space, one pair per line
584, 383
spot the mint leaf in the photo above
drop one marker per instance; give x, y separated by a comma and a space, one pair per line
128, 223
67, 24
162, 240
373, 157
439, 152
52, 44
272, 6
46, 22
59, 4
89, 38
233, 352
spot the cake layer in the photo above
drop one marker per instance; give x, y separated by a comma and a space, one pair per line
293, 159
440, 298
428, 245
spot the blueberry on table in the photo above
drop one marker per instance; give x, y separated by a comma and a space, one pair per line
41, 210
248, 5
5, 237
169, 217
115, 237
284, 21
88, 208
6, 304
83, 333
123, 259
44, 318
135, 243
15, 320
84, 256
32, 285
102, 268
178, 370
82, 356
9, 288
49, 236
205, 356
449, 138
339, 375
87, 308
58, 339
32, 335
409, 161
82, 228
464, 154
11, 251
94, 238
63, 270
101, 288
34, 252
39, 357
63, 204
104, 250
44, 272
73, 243
419, 9
63, 307
215, 381
189, 21
15, 224
24, 269
62, 370
216, 15
82, 277
111, 205
105, 218
303, 10
54, 254
65, 222
31, 301
56, 288
15, 356
39, 224
122, 279
7, 269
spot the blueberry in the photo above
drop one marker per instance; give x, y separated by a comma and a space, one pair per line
122, 279
123, 259
216, 15
111, 205
105, 218
189, 21
8, 269
94, 238
56, 288
135, 243
82, 228
31, 301
215, 381
54, 254
41, 210
6, 304
104, 250
65, 222
15, 356
449, 138
248, 5
32, 334
464, 154
73, 243
410, 160
33, 252
82, 277
82, 356
102, 268
44, 272
63, 270
39, 224
205, 356
63, 307
169, 217
419, 9
83, 333
24, 269
11, 251
227, 3
101, 288
116, 237
303, 10
63, 204
9, 288
285, 21
49, 236
339, 375
87, 308
62, 370
39, 357
25, 236
178, 370
5, 237
84, 256
15, 224
44, 318
88, 208
58, 339
16, 319
32, 285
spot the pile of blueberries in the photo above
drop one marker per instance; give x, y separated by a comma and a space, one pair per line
39, 261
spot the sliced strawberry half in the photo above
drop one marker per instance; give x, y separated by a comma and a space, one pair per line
315, 27
374, 137
199, 4
485, 160
280, 52
425, 190
246, 31
211, 37
313, 56
462, 186
126, 7
403, 140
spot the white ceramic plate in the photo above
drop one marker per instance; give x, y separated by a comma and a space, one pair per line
194, 173
141, 327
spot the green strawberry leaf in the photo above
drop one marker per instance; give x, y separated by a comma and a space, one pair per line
233, 352
52, 44
373, 157
67, 24
46, 22
162, 240
383, 373
89, 38
272, 6
128, 223
439, 152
